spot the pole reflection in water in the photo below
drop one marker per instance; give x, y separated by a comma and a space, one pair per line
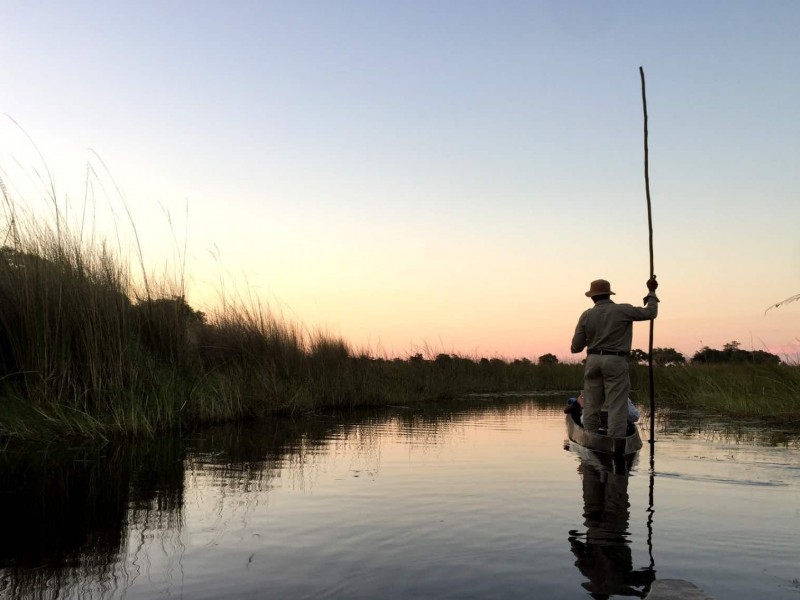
651, 505
603, 551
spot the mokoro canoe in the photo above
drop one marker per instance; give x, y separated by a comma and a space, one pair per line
603, 443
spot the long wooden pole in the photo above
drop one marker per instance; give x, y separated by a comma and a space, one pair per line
652, 268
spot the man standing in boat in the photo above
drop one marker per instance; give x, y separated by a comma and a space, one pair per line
606, 330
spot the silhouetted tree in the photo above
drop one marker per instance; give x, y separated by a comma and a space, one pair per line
733, 354
762, 357
548, 359
667, 356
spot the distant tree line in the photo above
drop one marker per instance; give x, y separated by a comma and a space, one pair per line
731, 353
445, 359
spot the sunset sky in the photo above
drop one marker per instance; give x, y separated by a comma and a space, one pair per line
440, 175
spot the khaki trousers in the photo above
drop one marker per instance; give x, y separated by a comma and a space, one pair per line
606, 380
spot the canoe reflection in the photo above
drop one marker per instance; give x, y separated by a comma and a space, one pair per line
603, 552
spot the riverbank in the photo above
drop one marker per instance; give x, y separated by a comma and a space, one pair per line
86, 352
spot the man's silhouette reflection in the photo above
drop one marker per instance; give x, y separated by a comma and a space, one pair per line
603, 552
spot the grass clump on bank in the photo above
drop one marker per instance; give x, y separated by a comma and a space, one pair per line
752, 391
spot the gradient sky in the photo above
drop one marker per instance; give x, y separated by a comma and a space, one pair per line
445, 175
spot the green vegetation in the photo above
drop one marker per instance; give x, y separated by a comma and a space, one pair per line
734, 382
86, 352
770, 392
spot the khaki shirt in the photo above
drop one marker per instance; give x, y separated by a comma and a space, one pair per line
609, 326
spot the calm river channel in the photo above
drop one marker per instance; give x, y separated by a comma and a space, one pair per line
477, 499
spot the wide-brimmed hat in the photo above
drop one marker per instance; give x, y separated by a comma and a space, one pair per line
599, 287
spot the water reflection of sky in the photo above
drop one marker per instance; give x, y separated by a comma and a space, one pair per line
448, 503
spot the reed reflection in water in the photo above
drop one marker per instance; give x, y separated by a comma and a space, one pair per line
108, 521
464, 500
70, 513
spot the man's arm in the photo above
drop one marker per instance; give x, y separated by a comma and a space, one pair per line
650, 310
579, 339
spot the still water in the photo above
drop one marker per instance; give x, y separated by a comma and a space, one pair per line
479, 499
